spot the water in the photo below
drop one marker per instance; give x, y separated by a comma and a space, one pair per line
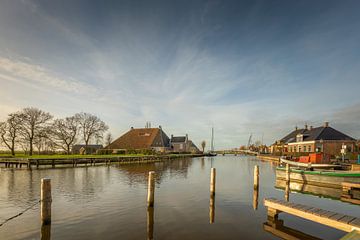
110, 202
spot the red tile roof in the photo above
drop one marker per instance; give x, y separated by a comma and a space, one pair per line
141, 138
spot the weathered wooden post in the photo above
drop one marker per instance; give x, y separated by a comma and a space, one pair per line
46, 200
256, 177
212, 181
212, 209
255, 198
151, 189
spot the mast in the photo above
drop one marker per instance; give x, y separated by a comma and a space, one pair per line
212, 139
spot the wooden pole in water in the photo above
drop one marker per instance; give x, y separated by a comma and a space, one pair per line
46, 200
256, 177
255, 198
151, 189
212, 181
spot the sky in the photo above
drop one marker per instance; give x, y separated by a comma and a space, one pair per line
242, 67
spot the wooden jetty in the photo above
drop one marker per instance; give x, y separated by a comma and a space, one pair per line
342, 222
85, 161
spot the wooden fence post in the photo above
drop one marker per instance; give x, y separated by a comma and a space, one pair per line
151, 189
212, 181
46, 200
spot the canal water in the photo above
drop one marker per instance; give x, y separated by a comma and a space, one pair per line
109, 202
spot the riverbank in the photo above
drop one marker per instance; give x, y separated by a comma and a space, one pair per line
84, 160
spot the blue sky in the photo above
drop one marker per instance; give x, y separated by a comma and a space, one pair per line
244, 67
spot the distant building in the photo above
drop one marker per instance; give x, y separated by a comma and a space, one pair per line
182, 144
323, 139
83, 149
142, 138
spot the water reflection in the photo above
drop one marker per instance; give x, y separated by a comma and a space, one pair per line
287, 191
150, 223
320, 191
277, 228
138, 173
89, 201
45, 232
212, 209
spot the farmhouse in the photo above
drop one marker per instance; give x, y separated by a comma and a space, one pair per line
142, 138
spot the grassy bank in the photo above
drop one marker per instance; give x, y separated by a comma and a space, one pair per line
71, 156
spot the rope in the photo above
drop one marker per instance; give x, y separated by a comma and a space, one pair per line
19, 214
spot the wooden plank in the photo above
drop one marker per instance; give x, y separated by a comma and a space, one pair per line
328, 214
331, 221
337, 216
347, 219
355, 222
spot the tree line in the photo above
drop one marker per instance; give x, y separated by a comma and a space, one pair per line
32, 127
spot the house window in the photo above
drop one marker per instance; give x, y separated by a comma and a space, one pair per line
299, 148
309, 148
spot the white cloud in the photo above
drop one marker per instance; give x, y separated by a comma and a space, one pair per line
35, 74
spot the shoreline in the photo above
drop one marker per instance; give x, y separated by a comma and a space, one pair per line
92, 161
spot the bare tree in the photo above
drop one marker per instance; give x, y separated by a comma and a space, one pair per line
65, 132
42, 138
33, 123
91, 127
108, 139
203, 145
9, 131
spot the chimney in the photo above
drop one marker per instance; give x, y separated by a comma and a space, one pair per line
172, 135
187, 137
306, 127
311, 127
326, 124
159, 126
296, 128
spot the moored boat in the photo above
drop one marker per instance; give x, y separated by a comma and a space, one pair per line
327, 178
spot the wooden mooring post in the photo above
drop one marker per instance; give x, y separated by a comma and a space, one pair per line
151, 189
256, 177
212, 181
255, 198
45, 200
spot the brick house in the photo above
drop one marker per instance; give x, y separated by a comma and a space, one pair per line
142, 138
323, 139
